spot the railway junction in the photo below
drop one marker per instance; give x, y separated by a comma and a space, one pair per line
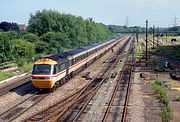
117, 86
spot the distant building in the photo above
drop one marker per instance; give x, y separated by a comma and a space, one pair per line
22, 27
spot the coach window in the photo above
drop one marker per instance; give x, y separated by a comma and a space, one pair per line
91, 52
72, 62
62, 67
83, 57
77, 59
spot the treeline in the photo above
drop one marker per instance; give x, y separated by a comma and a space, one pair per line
173, 30
125, 29
61, 31
50, 32
8, 26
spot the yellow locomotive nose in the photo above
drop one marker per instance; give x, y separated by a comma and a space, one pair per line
43, 83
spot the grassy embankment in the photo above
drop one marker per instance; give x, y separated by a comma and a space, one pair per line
21, 66
5, 75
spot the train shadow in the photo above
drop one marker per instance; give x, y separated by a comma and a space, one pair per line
24, 89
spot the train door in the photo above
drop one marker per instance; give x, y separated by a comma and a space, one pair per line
67, 63
55, 71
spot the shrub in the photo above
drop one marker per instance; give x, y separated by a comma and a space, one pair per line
23, 49
160, 91
158, 82
25, 66
165, 114
162, 96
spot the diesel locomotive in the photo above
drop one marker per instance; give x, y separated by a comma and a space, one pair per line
52, 69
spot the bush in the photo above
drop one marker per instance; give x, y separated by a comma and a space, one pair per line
31, 37
162, 96
158, 82
23, 49
24, 65
160, 91
6, 48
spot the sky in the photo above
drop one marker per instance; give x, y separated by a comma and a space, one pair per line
110, 12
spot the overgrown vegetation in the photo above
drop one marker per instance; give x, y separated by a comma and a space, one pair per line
25, 66
162, 96
165, 114
170, 51
138, 50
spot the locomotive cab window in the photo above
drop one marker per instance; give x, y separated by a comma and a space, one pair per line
42, 69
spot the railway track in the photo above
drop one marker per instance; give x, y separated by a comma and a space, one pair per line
117, 107
80, 110
5, 88
118, 104
118, 92
85, 115
21, 107
60, 109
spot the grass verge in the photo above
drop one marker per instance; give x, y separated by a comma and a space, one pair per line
26, 67
5, 75
138, 50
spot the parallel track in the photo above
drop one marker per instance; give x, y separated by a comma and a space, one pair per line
5, 88
21, 107
118, 105
79, 109
117, 111
59, 109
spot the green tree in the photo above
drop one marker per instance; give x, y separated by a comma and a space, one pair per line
65, 31
43, 22
5, 48
41, 47
56, 41
30, 37
23, 49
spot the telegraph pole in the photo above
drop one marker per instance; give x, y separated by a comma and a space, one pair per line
166, 37
157, 36
146, 40
153, 35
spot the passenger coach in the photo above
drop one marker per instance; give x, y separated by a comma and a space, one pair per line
51, 70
